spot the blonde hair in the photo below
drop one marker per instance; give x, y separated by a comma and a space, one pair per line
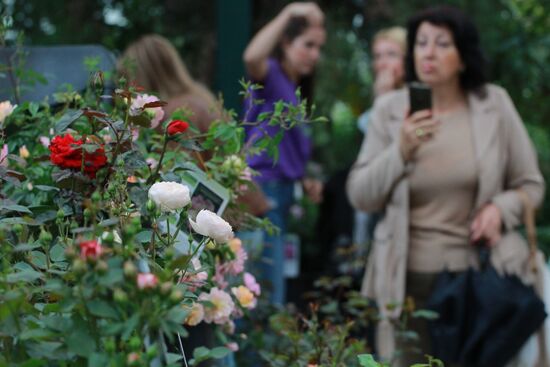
154, 64
394, 34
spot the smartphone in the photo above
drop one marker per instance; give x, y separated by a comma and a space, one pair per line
420, 97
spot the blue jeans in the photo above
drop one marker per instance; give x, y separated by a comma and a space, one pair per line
281, 195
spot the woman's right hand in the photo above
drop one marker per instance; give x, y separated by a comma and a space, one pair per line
310, 10
415, 130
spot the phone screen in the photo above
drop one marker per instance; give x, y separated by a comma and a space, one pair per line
420, 97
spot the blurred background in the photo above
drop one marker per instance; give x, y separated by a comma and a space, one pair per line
212, 34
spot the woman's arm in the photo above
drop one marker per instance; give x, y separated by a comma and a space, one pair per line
260, 48
379, 166
522, 168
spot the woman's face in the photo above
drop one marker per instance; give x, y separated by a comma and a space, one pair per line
436, 58
303, 52
388, 56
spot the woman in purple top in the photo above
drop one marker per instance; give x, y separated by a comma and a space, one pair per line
282, 57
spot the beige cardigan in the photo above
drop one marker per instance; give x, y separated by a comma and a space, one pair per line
505, 160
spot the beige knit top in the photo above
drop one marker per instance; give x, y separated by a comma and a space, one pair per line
443, 187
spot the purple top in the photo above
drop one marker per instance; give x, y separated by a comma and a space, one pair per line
295, 147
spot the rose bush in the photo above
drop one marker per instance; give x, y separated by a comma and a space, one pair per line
90, 271
92, 211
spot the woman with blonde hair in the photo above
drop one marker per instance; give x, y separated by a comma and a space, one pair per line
153, 63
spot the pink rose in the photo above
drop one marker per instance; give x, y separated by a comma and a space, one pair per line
155, 113
251, 283
146, 280
218, 306
45, 141
234, 347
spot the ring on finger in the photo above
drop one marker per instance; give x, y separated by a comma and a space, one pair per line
419, 132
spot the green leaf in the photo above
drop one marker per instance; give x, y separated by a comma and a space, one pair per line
130, 327
59, 323
33, 108
57, 253
109, 222
113, 276
143, 236
23, 276
173, 358
66, 120
177, 314
26, 247
133, 160
89, 148
102, 309
80, 342
367, 360
19, 220
200, 354
219, 352
46, 216
35, 334
46, 188
15, 208
38, 259
179, 262
33, 363
44, 350
425, 314
140, 120
98, 360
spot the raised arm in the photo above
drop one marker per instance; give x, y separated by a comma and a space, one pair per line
262, 45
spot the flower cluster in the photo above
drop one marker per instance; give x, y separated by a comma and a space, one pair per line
66, 152
217, 302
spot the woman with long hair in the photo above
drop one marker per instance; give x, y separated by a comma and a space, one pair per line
154, 64
281, 58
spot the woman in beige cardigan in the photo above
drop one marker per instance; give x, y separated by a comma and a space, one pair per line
445, 178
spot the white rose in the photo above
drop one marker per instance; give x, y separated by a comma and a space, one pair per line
6, 108
211, 225
169, 196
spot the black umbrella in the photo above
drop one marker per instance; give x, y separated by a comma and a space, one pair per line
485, 318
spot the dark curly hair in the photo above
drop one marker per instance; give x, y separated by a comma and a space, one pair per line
466, 39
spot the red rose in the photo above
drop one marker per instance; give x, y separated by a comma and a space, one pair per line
90, 249
67, 153
177, 127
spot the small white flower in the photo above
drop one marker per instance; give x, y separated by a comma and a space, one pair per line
169, 196
211, 225
6, 108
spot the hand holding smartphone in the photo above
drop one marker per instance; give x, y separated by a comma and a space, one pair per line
419, 126
420, 97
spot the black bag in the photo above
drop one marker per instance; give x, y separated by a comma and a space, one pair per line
484, 318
